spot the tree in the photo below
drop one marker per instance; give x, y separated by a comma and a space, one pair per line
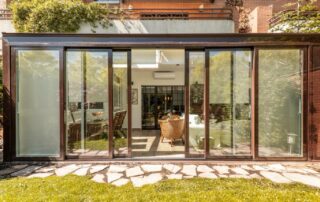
57, 15
305, 17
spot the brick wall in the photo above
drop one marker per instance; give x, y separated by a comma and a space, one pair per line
315, 94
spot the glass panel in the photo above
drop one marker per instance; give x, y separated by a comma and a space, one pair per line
87, 103
158, 103
149, 100
229, 103
196, 102
315, 102
120, 103
37, 108
279, 104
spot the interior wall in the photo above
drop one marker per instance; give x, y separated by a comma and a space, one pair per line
142, 77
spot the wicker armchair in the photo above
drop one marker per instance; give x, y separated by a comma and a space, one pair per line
172, 129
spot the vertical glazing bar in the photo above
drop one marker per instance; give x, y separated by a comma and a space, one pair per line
231, 101
62, 103
308, 100
84, 99
129, 104
254, 105
186, 103
206, 101
110, 96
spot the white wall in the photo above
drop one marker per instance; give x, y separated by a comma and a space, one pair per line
5, 26
165, 26
145, 77
149, 26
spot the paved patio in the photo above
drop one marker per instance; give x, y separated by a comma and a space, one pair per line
138, 174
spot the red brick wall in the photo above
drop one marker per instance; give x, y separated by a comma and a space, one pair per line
315, 94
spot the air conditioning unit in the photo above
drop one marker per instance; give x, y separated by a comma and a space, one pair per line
164, 75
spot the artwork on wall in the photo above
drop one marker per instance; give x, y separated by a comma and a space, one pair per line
134, 96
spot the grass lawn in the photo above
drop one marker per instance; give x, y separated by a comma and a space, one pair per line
101, 144
74, 188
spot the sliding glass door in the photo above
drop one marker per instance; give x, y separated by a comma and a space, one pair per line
87, 103
196, 89
37, 103
229, 110
120, 91
280, 102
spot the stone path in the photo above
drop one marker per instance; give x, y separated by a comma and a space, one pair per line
141, 174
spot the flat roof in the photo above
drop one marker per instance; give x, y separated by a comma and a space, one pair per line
159, 40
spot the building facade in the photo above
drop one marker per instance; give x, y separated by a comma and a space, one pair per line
161, 97
169, 80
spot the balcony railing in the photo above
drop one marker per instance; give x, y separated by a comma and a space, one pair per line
5, 14
160, 14
277, 18
184, 14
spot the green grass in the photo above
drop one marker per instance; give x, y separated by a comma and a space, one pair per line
101, 144
74, 188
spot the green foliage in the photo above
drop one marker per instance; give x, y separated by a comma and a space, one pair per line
75, 188
57, 15
305, 17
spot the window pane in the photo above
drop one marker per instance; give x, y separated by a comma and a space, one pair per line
279, 104
120, 105
230, 103
196, 101
87, 103
37, 112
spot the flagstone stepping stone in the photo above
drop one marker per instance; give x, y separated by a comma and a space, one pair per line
121, 182
174, 176
222, 169
246, 167
113, 177
204, 169
97, 168
255, 175
7, 171
81, 171
46, 169
20, 166
154, 178
40, 175
99, 178
66, 170
274, 177
223, 176
172, 168
189, 170
138, 181
85, 165
296, 170
309, 170
12, 169
152, 168
208, 175
135, 171
239, 171
259, 168
188, 177
25, 171
239, 176
304, 179
117, 168
276, 167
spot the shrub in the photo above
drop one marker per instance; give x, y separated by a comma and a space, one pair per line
57, 15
